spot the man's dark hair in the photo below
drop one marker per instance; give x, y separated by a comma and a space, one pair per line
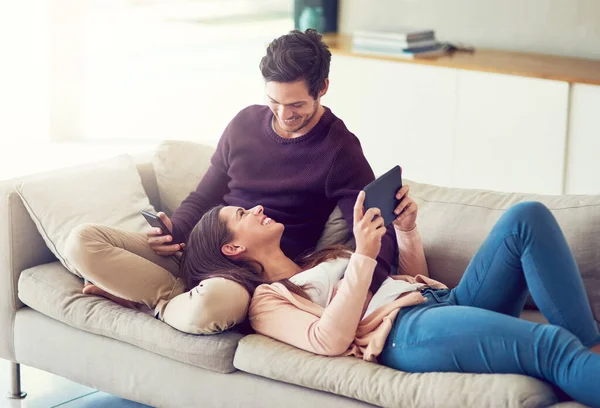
295, 56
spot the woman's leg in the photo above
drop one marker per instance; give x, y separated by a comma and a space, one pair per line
527, 249
446, 338
123, 264
91, 289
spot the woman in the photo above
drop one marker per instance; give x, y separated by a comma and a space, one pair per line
413, 323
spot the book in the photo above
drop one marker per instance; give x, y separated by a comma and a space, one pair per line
404, 34
393, 45
411, 53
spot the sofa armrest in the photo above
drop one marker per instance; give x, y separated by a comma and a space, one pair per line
21, 247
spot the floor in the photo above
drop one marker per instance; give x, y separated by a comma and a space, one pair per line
46, 390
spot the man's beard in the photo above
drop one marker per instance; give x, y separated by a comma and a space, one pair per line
308, 120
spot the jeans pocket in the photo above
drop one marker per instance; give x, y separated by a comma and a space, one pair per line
441, 295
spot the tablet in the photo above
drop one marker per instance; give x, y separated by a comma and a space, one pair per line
381, 193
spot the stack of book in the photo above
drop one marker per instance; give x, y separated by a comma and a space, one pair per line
399, 42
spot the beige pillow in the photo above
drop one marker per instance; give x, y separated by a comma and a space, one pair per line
454, 222
179, 167
336, 232
109, 192
215, 305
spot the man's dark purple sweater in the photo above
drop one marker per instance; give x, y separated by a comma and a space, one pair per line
298, 181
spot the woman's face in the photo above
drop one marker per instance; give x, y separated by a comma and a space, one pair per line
251, 229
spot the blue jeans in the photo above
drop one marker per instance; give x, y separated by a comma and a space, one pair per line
474, 328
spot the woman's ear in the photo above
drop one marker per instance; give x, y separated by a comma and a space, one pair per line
232, 250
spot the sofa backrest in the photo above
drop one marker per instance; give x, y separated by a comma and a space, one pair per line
146, 170
454, 222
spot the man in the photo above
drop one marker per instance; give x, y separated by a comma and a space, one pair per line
294, 157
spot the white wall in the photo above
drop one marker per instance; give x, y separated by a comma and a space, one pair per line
462, 128
561, 27
583, 148
24, 115
151, 71
66, 43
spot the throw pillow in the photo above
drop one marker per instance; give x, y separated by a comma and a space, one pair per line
109, 192
215, 305
179, 167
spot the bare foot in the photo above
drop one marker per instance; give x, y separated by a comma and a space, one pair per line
596, 349
91, 289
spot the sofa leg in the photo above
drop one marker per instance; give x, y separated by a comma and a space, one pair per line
15, 382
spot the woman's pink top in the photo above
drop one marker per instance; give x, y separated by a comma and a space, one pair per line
338, 328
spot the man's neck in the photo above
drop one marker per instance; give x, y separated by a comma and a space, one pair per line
291, 135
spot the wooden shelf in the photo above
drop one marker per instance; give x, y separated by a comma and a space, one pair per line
567, 69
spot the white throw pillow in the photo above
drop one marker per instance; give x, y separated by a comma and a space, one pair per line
109, 192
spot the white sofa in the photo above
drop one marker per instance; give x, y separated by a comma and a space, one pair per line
48, 324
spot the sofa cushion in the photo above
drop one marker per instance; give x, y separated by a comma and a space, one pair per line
108, 192
179, 167
51, 290
336, 232
213, 306
383, 386
454, 222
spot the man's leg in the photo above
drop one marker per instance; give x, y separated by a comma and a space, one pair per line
123, 264
527, 249
471, 340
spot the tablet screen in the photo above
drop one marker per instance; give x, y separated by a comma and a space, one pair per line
381, 193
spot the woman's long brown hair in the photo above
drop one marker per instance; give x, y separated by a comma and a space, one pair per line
202, 258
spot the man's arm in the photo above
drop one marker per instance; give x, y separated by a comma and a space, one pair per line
349, 174
209, 193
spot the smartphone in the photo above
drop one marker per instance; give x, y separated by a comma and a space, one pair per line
155, 221
381, 193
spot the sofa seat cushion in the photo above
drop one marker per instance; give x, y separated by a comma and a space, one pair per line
52, 290
383, 386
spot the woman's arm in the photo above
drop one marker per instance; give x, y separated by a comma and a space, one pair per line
410, 247
411, 254
350, 172
276, 313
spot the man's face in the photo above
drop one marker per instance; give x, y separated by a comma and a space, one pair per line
291, 104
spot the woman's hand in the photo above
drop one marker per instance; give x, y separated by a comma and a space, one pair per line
162, 244
368, 228
406, 211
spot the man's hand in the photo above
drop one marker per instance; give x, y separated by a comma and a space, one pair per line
161, 244
406, 212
